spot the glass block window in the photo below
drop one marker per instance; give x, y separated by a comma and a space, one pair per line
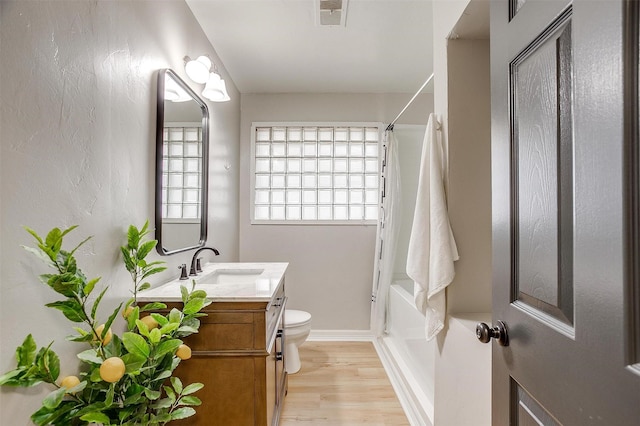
181, 172
315, 173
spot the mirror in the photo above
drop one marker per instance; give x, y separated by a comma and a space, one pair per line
182, 147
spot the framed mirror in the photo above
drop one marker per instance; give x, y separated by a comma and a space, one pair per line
182, 152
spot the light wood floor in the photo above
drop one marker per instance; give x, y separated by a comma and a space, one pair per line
341, 383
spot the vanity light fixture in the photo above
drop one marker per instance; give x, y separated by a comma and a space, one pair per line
199, 70
216, 89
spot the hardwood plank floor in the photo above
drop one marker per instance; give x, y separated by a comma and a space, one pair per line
341, 383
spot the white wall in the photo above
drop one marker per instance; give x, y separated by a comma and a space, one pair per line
331, 267
77, 104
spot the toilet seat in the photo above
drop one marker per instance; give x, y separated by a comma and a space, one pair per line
295, 318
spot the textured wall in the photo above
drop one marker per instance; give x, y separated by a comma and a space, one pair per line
331, 267
77, 147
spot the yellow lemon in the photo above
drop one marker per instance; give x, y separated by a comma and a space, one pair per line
127, 311
69, 382
150, 322
107, 337
112, 369
183, 352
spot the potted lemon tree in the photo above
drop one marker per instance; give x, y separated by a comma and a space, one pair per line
124, 380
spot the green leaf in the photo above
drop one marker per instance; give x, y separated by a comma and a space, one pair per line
96, 417
192, 388
193, 306
154, 336
57, 416
95, 375
77, 388
133, 237
9, 378
153, 271
145, 248
54, 239
70, 308
177, 384
128, 262
160, 318
94, 308
175, 316
169, 328
144, 286
186, 330
198, 294
133, 317
190, 400
108, 401
167, 346
133, 363
162, 403
136, 344
112, 317
182, 413
170, 393
66, 284
34, 234
142, 328
185, 294
26, 353
78, 246
153, 306
152, 394
90, 356
54, 399
164, 375
66, 231
51, 364
40, 255
80, 338
90, 285
143, 230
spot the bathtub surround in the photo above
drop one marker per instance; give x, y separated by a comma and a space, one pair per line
78, 88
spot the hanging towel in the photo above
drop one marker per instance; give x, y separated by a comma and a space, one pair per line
432, 248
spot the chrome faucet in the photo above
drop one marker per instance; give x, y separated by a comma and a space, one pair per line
195, 262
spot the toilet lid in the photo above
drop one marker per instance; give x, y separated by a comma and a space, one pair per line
294, 318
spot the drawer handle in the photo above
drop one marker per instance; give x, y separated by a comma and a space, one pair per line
278, 356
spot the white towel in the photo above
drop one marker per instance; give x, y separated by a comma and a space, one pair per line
432, 248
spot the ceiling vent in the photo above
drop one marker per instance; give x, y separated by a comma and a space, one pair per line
331, 12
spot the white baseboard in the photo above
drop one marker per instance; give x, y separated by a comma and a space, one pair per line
341, 336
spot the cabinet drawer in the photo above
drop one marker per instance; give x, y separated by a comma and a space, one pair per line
223, 336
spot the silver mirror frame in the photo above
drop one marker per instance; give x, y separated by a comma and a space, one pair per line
162, 73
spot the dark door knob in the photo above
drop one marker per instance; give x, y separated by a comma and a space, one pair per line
484, 333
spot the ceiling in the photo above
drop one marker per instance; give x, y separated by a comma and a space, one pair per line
275, 46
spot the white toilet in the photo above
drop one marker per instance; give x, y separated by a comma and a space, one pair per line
297, 325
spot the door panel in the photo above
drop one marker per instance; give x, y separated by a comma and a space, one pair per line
560, 186
542, 170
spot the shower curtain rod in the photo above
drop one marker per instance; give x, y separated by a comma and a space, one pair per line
390, 126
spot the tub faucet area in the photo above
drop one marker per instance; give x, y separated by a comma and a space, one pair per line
195, 261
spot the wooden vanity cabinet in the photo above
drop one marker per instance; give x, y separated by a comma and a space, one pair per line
238, 355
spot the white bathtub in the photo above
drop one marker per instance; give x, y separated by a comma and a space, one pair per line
412, 357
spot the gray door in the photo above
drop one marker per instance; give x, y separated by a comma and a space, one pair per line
565, 212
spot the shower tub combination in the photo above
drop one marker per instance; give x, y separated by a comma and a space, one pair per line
404, 349
411, 356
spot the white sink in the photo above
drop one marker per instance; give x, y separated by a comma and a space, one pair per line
231, 276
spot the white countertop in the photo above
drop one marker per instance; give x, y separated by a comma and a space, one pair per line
247, 282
